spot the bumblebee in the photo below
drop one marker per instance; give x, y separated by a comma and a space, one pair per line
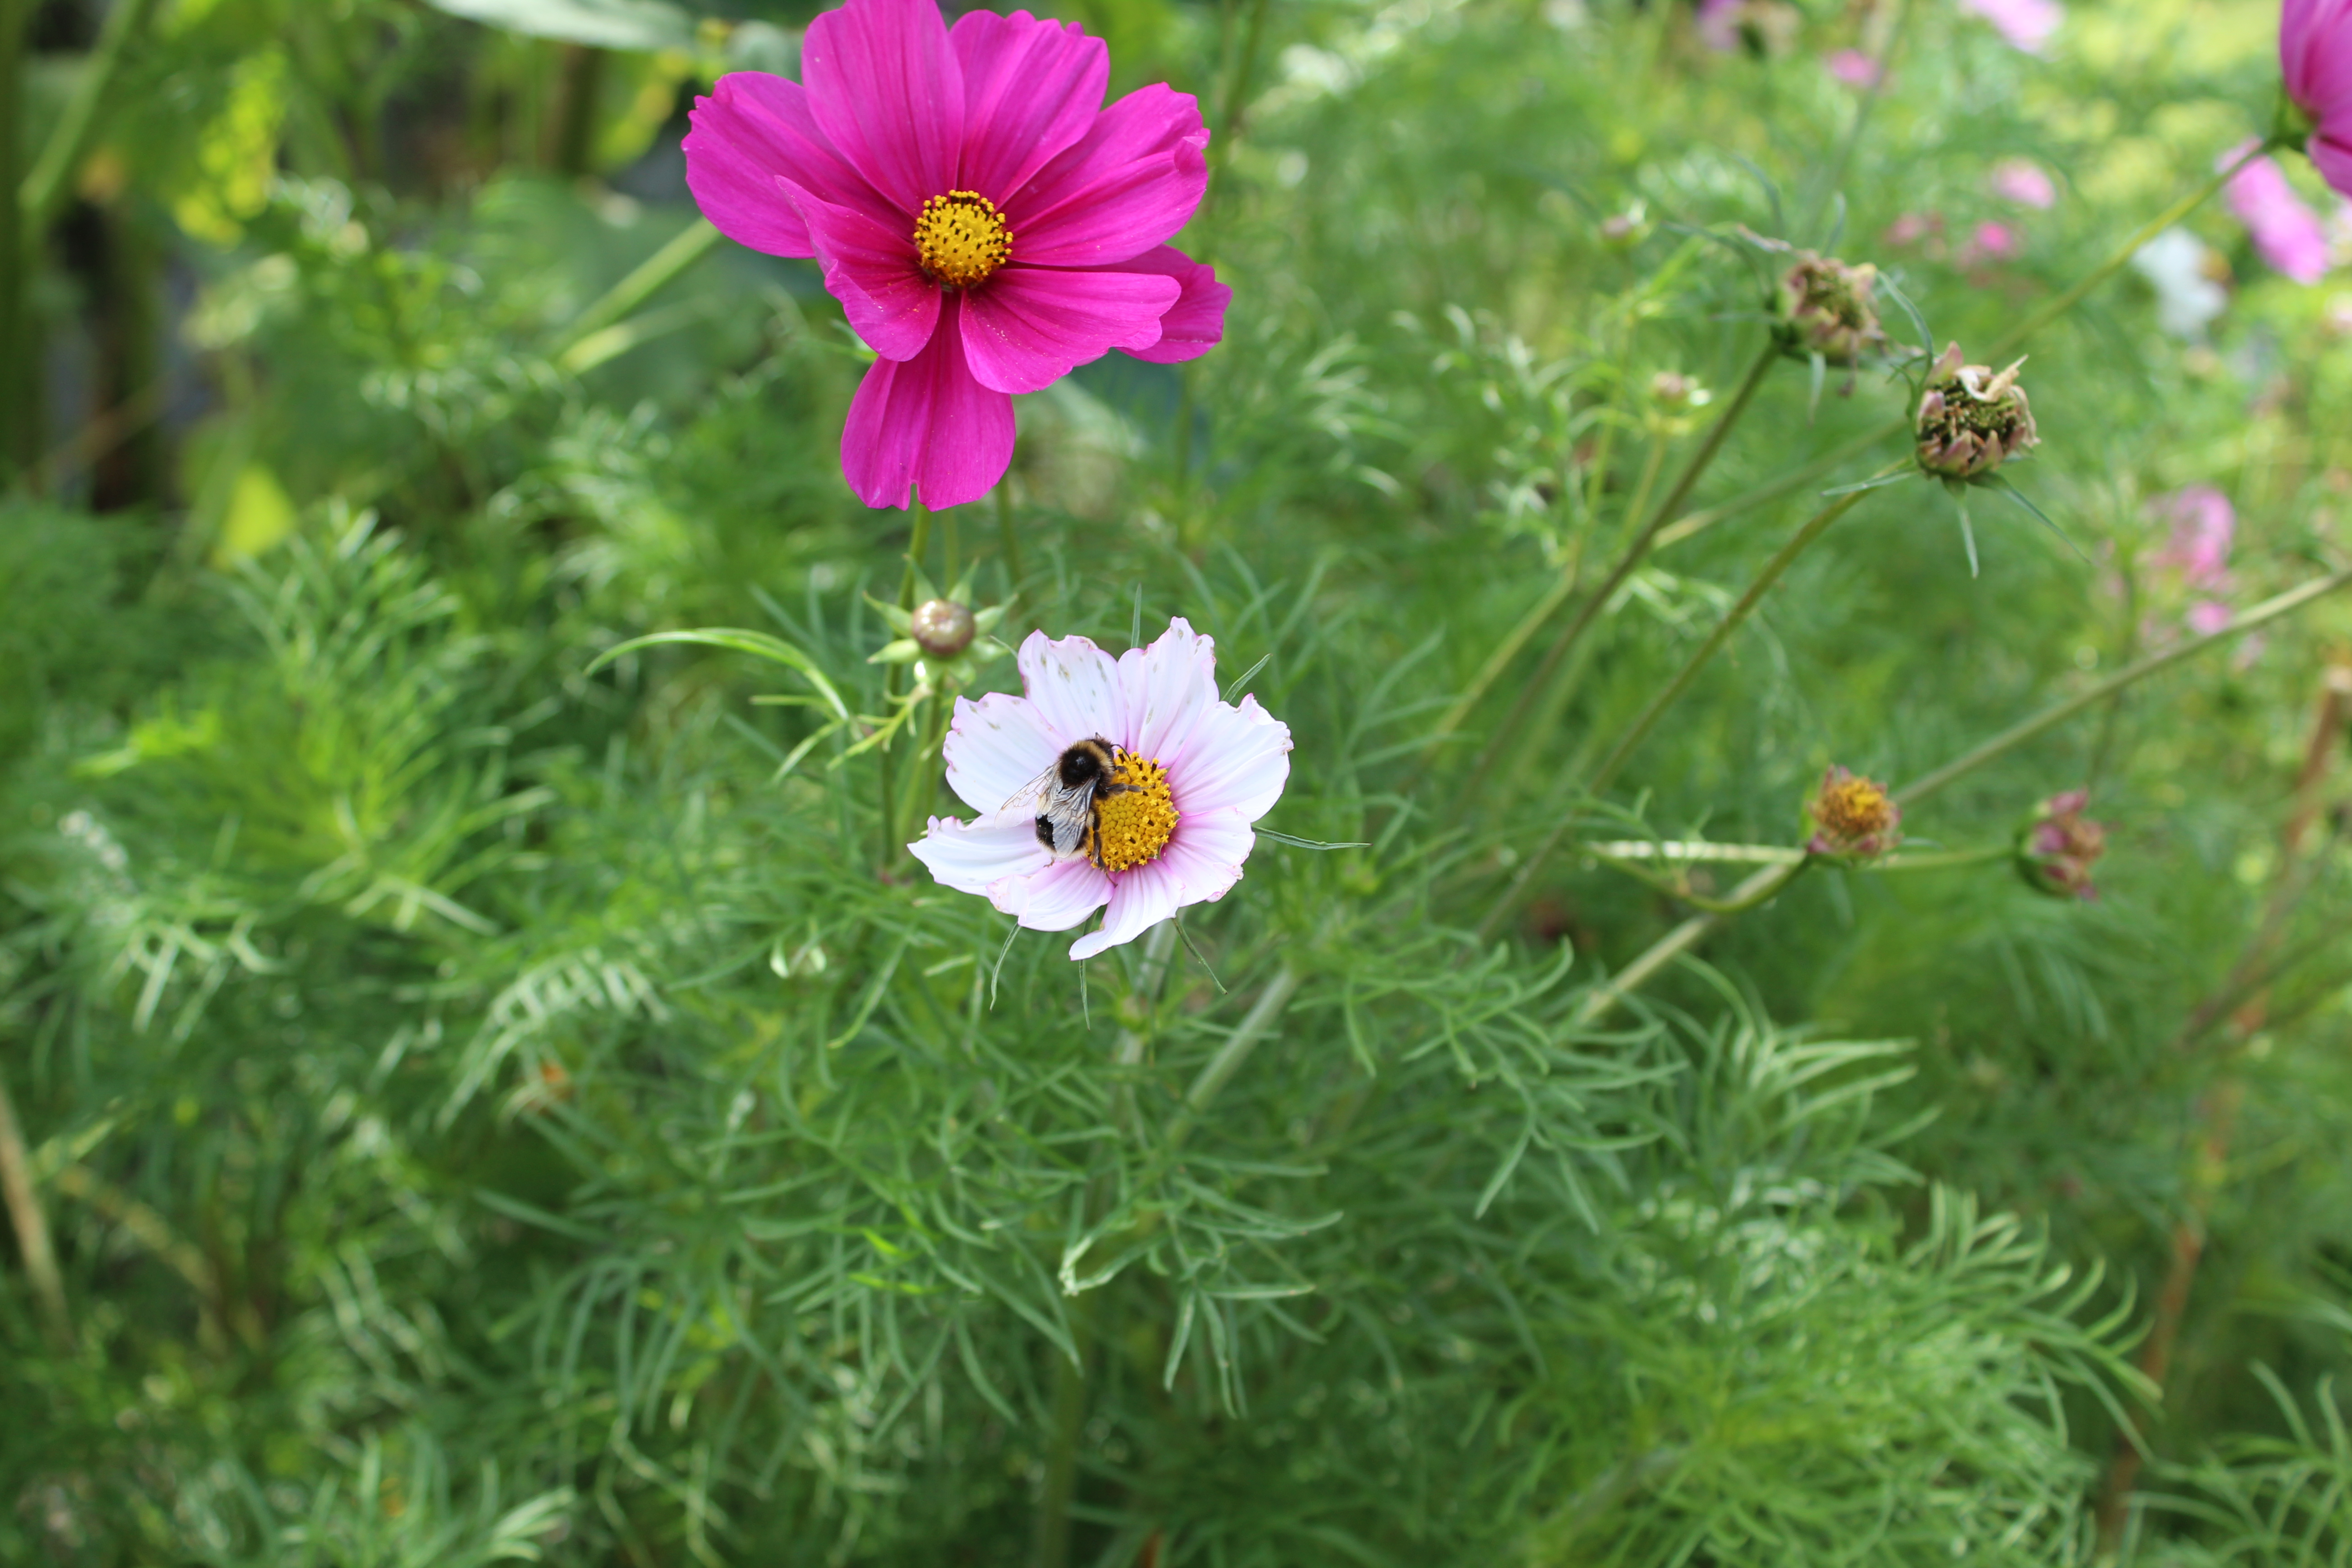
1068, 798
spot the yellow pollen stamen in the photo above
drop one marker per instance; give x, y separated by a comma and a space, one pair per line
1136, 821
961, 238
1853, 808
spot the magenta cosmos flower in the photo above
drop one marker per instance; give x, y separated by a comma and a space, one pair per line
2316, 59
1193, 773
987, 224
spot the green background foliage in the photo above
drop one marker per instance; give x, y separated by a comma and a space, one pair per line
485, 1104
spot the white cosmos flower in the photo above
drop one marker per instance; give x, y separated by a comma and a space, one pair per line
1201, 771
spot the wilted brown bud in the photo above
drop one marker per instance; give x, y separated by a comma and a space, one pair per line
1972, 418
1824, 307
942, 628
2058, 846
1854, 819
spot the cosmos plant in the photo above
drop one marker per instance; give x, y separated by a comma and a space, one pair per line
986, 222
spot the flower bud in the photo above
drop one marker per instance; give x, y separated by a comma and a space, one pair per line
1971, 419
1854, 819
1824, 307
1674, 390
942, 628
2058, 845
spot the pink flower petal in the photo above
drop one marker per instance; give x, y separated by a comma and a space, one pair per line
2208, 617
1139, 899
974, 858
1030, 89
2028, 24
1028, 327
997, 747
752, 129
2314, 55
872, 271
1167, 685
1074, 686
884, 85
926, 422
1235, 759
1195, 323
1129, 185
1854, 68
2025, 183
2288, 234
2331, 155
1055, 899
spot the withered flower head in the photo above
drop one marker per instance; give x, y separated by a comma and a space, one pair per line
2057, 846
1854, 817
1824, 307
943, 627
1972, 418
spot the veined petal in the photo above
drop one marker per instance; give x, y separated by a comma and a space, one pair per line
1031, 89
885, 86
1027, 327
1075, 687
1128, 185
1195, 323
995, 747
2315, 55
872, 271
972, 857
1235, 759
752, 129
1054, 898
1206, 855
926, 422
1139, 899
1168, 686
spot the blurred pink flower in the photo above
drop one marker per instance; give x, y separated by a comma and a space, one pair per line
2286, 233
1991, 242
1911, 228
2024, 182
2203, 524
2027, 24
1718, 22
2316, 59
1854, 68
986, 222
2207, 617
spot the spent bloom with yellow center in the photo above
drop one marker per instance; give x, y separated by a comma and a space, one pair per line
1171, 826
1972, 418
1852, 817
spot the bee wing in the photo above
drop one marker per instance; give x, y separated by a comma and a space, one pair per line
1063, 815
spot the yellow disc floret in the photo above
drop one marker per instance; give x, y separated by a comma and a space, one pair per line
961, 238
1136, 819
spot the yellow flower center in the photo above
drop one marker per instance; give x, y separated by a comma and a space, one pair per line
961, 238
1136, 821
1853, 808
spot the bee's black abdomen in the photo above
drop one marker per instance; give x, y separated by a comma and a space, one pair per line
1045, 831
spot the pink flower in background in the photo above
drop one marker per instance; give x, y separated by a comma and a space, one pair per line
2024, 182
2203, 524
2026, 23
987, 224
1854, 68
2316, 59
2286, 233
1192, 773
1718, 22
2207, 617
1991, 242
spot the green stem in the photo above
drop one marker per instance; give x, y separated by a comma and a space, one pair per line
1773, 490
50, 182
1220, 1068
20, 433
917, 542
1835, 175
1008, 538
31, 1224
1595, 601
655, 272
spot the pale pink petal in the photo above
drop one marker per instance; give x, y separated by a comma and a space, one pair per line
872, 271
1206, 854
972, 857
1854, 68
885, 86
1195, 323
1074, 686
752, 129
2208, 617
1167, 685
1128, 185
2288, 234
2025, 183
926, 423
1139, 899
1031, 89
1027, 328
1235, 759
995, 748
1054, 898
2028, 24
1719, 24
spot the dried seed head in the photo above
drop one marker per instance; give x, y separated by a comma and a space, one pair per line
2057, 846
942, 628
1972, 418
1824, 307
1854, 817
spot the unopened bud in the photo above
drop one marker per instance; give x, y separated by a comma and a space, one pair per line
1826, 307
1674, 390
1854, 819
2058, 846
1972, 418
941, 628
